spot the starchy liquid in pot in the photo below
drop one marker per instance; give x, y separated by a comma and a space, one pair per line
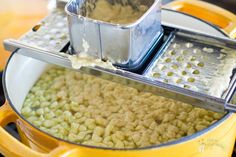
115, 13
91, 111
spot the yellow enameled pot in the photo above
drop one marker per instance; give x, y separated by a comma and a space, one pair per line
20, 75
213, 14
22, 72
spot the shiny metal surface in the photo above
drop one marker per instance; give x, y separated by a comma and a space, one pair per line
54, 56
49, 34
137, 81
61, 3
123, 45
193, 61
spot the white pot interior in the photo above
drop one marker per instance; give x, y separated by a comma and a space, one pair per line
20, 75
22, 72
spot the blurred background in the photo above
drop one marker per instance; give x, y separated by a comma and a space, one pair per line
18, 16
227, 4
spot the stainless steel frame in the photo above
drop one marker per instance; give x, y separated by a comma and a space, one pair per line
130, 79
54, 56
212, 62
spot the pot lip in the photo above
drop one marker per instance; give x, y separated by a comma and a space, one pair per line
199, 19
179, 141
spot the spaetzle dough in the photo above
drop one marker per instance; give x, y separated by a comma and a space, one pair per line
116, 13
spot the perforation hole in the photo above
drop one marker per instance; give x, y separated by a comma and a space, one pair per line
188, 65
165, 80
168, 60
178, 80
36, 28
184, 73
172, 52
156, 75
191, 79
180, 59
170, 73
186, 86
200, 64
175, 66
193, 58
196, 72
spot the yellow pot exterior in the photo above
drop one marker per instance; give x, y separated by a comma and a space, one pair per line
216, 142
220, 17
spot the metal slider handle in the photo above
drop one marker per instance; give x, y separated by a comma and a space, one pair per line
229, 94
213, 14
230, 107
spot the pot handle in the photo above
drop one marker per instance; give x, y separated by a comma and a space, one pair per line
220, 17
9, 146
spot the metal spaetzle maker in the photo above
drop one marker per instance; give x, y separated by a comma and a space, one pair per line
133, 51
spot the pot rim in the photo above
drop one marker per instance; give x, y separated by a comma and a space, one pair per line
178, 141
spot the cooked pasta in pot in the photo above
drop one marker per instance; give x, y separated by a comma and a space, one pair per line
92, 111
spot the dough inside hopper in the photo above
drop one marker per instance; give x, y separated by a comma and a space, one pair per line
117, 13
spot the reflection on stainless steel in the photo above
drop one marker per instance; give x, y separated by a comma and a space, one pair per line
127, 78
230, 95
61, 3
50, 34
120, 12
121, 44
51, 54
195, 62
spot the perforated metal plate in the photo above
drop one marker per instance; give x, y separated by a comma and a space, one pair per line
195, 63
35, 44
50, 34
